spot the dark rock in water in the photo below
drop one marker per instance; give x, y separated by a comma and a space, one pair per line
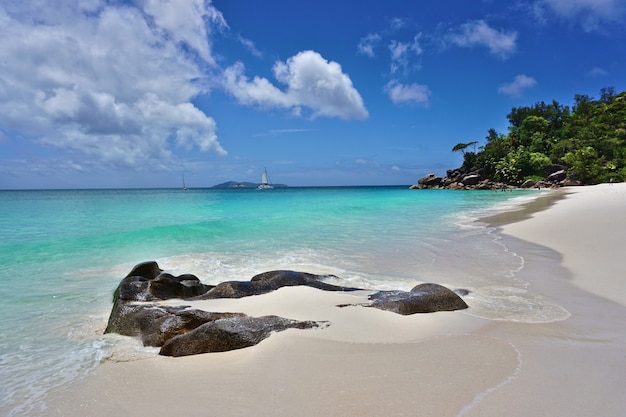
147, 270
183, 331
154, 324
268, 282
430, 180
160, 287
461, 291
459, 179
229, 334
424, 298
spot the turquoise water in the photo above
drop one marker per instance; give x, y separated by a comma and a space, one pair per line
62, 253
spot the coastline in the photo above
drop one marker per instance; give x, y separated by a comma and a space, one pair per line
372, 363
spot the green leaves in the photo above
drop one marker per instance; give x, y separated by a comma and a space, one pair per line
590, 139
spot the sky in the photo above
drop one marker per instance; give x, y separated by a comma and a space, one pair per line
133, 94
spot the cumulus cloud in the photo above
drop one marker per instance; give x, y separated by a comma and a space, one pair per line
590, 14
184, 21
517, 87
311, 83
116, 83
478, 33
408, 93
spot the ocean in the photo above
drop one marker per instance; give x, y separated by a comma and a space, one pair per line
63, 252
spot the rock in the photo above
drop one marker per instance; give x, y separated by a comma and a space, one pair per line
430, 180
154, 324
229, 334
551, 169
147, 270
528, 184
471, 179
268, 282
484, 185
424, 298
161, 287
181, 330
568, 182
557, 176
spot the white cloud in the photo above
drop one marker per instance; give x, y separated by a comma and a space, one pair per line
366, 162
251, 47
112, 82
397, 23
597, 72
516, 87
408, 93
401, 53
368, 43
589, 13
500, 43
311, 82
184, 21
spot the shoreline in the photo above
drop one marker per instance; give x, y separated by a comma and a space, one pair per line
372, 362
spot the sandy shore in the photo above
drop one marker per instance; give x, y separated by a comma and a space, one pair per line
375, 363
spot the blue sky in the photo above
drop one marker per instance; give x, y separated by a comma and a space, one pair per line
137, 93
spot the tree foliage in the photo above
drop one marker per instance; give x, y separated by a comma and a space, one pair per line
589, 139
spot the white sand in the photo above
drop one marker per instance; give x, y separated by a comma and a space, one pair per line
376, 363
588, 229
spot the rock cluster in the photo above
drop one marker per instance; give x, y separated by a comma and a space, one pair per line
181, 330
462, 179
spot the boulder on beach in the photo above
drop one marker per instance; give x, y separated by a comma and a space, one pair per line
229, 334
138, 308
423, 298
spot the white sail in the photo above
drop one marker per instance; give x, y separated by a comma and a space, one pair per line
265, 182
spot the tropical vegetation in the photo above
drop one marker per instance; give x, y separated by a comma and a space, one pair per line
588, 140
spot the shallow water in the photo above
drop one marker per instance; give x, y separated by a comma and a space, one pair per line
62, 254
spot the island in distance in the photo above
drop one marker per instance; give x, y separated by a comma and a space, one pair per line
245, 185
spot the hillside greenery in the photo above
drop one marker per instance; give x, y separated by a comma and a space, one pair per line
588, 139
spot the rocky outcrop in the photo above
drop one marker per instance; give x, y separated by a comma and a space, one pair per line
463, 179
179, 331
456, 180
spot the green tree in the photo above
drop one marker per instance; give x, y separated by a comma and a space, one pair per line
538, 163
585, 164
514, 166
463, 146
590, 138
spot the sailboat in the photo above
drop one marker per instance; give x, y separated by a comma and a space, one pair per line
265, 183
184, 186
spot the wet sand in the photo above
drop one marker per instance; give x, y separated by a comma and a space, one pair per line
376, 363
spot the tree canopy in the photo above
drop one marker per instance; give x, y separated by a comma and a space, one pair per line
589, 140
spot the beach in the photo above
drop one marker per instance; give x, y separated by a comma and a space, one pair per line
369, 362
